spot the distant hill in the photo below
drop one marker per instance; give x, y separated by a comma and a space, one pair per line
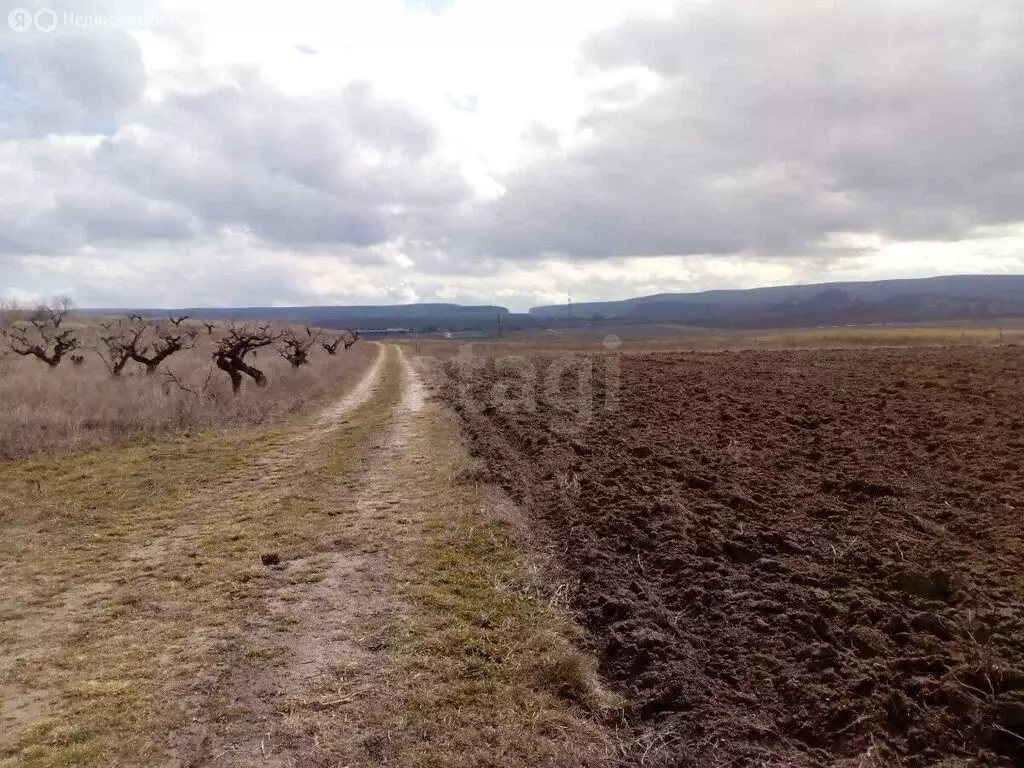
415, 316
904, 300
958, 297
840, 308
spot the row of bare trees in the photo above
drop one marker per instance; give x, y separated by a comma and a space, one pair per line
151, 342
239, 341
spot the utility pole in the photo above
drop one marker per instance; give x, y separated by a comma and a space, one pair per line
499, 325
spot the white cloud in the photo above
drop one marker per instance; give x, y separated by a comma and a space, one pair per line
20, 297
505, 150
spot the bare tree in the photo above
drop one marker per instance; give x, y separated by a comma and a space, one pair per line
135, 318
166, 343
120, 344
41, 337
209, 328
62, 307
332, 346
9, 312
232, 348
295, 348
177, 320
52, 312
77, 359
47, 343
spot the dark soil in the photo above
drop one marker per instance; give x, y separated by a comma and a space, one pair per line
809, 558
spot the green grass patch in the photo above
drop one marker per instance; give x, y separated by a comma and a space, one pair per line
500, 678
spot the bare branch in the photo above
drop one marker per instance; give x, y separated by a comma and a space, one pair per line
120, 344
46, 344
238, 342
178, 320
167, 343
170, 377
60, 308
295, 348
40, 317
331, 347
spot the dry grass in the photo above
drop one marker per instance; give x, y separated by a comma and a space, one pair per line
288, 676
70, 408
645, 339
495, 675
133, 575
890, 336
96, 587
130, 572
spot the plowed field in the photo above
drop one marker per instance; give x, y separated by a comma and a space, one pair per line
808, 558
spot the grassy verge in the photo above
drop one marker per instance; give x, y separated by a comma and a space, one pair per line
129, 570
499, 679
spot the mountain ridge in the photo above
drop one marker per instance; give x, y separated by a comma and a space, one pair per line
957, 286
947, 297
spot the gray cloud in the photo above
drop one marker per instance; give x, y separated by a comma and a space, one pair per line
68, 80
117, 215
776, 124
769, 128
348, 169
541, 135
386, 124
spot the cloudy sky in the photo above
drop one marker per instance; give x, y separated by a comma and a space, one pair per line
211, 152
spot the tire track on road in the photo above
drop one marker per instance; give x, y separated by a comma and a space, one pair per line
330, 621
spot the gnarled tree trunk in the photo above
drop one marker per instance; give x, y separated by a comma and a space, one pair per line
236, 376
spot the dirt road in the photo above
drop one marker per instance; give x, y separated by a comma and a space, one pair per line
313, 594
318, 643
